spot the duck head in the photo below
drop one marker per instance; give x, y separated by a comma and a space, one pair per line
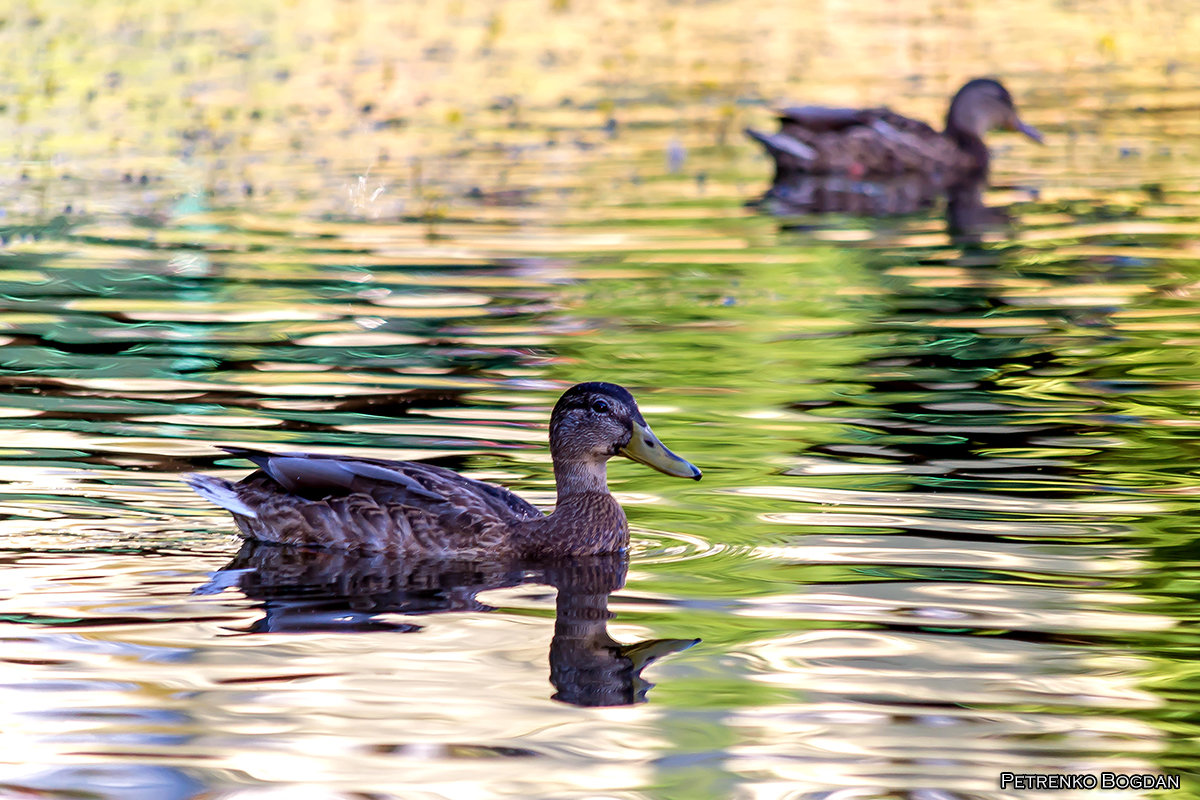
984, 105
592, 422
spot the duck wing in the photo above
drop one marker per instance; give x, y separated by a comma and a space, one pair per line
854, 141
373, 504
823, 119
310, 475
826, 119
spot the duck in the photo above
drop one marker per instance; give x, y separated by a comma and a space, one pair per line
409, 508
876, 142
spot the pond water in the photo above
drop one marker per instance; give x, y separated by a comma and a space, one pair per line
948, 517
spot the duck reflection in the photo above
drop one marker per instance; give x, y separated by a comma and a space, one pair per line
968, 218
308, 590
873, 196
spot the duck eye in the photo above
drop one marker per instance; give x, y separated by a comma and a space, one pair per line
600, 406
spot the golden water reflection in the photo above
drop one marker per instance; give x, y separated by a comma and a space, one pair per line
946, 522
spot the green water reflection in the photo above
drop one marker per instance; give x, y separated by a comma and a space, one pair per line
946, 523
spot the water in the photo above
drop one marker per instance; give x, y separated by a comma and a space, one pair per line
945, 527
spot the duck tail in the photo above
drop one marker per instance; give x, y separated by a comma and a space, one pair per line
788, 152
220, 492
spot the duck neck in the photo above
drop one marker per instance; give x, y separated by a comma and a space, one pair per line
969, 142
580, 477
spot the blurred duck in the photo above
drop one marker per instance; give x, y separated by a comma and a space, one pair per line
410, 508
874, 142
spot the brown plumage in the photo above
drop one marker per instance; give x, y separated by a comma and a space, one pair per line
406, 507
874, 142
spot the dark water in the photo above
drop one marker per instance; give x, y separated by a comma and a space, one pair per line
946, 526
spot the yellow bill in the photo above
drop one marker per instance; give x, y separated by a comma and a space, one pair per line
645, 448
1029, 130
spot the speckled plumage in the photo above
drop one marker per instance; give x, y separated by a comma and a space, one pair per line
410, 508
815, 140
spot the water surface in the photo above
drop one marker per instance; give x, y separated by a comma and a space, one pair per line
945, 527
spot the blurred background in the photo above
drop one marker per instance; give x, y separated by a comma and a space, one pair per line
387, 109
945, 524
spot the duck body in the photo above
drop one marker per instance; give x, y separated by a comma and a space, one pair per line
414, 509
877, 142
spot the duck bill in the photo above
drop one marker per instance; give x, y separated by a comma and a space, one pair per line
645, 448
1030, 131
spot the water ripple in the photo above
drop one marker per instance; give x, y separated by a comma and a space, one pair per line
945, 523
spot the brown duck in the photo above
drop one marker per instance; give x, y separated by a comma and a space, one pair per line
815, 140
410, 508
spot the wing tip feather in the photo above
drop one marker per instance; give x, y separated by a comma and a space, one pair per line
219, 492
